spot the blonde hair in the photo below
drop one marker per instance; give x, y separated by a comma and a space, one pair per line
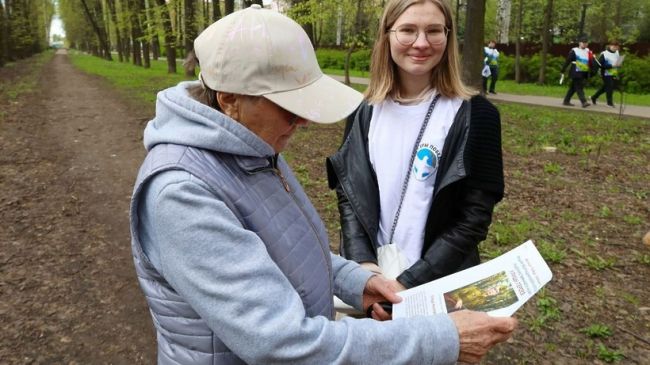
445, 76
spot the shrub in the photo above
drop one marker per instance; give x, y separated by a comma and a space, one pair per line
360, 60
636, 74
335, 59
331, 58
530, 68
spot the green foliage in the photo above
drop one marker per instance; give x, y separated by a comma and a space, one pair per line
636, 74
335, 59
598, 263
551, 252
302, 174
552, 168
605, 212
609, 355
643, 259
632, 219
509, 233
548, 312
631, 298
548, 307
597, 330
324, 16
530, 66
23, 21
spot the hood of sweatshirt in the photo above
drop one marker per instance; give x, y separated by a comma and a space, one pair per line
180, 119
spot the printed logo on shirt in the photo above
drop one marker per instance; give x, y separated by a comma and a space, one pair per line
426, 162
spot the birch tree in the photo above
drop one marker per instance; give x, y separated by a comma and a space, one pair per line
503, 20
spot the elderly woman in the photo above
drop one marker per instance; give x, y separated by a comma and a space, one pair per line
230, 254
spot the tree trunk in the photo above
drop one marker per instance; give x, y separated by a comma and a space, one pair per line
141, 17
546, 35
503, 21
189, 34
473, 44
353, 41
205, 13
152, 31
7, 31
118, 33
101, 36
170, 49
520, 12
3, 35
230, 6
105, 51
136, 31
216, 10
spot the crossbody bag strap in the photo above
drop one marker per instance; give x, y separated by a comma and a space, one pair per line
408, 172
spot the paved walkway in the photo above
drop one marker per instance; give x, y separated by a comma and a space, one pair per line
627, 110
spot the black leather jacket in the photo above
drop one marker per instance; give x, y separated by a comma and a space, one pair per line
461, 210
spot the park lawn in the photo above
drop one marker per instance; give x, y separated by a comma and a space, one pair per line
575, 184
138, 82
558, 91
26, 80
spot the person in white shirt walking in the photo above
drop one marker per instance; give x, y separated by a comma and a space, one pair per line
492, 62
609, 62
580, 59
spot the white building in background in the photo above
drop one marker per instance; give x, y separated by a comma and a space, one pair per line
56, 31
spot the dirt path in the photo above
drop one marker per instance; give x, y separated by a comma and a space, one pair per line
69, 154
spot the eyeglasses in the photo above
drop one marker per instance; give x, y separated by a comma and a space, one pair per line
406, 34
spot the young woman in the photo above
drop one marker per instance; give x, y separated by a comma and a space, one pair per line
420, 169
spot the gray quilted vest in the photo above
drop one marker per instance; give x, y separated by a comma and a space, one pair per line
301, 252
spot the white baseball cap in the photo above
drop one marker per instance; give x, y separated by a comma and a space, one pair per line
256, 51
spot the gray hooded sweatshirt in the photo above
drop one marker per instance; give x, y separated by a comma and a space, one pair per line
199, 263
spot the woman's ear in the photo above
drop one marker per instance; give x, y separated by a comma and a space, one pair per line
230, 104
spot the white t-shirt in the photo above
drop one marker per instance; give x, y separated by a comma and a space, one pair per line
393, 131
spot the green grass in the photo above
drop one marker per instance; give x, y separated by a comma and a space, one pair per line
558, 91
28, 81
137, 81
527, 130
353, 73
597, 330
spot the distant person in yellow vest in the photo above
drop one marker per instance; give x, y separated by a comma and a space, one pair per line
492, 62
610, 63
580, 59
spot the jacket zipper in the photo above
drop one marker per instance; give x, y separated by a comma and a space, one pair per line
278, 172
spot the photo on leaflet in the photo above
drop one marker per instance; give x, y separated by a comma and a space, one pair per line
485, 295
